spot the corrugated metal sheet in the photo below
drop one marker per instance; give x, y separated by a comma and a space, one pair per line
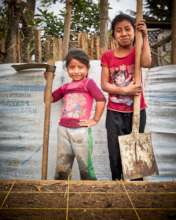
160, 91
21, 122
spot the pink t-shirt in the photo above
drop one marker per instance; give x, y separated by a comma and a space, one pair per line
78, 100
121, 74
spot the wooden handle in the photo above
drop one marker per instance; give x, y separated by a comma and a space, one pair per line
137, 72
50, 72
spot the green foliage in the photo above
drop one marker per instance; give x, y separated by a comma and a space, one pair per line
159, 10
28, 17
51, 24
85, 18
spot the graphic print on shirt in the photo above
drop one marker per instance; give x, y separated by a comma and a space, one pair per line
122, 76
75, 106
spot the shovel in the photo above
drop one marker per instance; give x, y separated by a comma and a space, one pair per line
136, 149
50, 69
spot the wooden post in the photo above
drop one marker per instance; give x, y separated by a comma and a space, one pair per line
112, 43
54, 48
51, 47
18, 46
79, 40
60, 46
46, 49
48, 90
38, 50
97, 47
91, 53
83, 41
57, 48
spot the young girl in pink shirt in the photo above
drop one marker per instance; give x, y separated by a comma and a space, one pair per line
74, 127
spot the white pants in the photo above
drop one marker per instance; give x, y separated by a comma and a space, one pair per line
75, 143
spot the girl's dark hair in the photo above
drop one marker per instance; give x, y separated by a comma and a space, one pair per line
119, 18
78, 54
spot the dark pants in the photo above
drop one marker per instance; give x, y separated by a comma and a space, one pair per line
118, 123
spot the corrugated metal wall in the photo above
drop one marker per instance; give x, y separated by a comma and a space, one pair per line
21, 122
161, 95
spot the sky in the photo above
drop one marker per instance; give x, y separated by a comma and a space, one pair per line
121, 5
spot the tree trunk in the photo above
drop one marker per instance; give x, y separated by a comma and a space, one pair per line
11, 39
103, 25
67, 26
28, 35
173, 24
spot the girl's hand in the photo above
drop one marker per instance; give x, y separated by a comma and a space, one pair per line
45, 74
141, 26
132, 89
88, 123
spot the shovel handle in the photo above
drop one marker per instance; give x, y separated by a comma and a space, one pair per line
137, 71
50, 69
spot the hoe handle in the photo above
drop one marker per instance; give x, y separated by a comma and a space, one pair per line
50, 69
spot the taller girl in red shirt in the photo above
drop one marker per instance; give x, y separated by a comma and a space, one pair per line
117, 80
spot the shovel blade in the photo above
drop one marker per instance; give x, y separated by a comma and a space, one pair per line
137, 156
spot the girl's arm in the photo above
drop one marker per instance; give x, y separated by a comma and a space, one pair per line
51, 97
56, 95
100, 99
99, 108
146, 58
110, 88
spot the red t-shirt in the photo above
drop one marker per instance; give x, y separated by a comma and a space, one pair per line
121, 74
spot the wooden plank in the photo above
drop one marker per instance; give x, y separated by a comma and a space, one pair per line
88, 200
86, 186
47, 199
86, 214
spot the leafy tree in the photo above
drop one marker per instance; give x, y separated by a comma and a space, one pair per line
67, 23
85, 18
13, 13
77, 16
159, 10
164, 11
51, 24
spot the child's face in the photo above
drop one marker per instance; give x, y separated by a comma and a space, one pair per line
124, 33
77, 70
